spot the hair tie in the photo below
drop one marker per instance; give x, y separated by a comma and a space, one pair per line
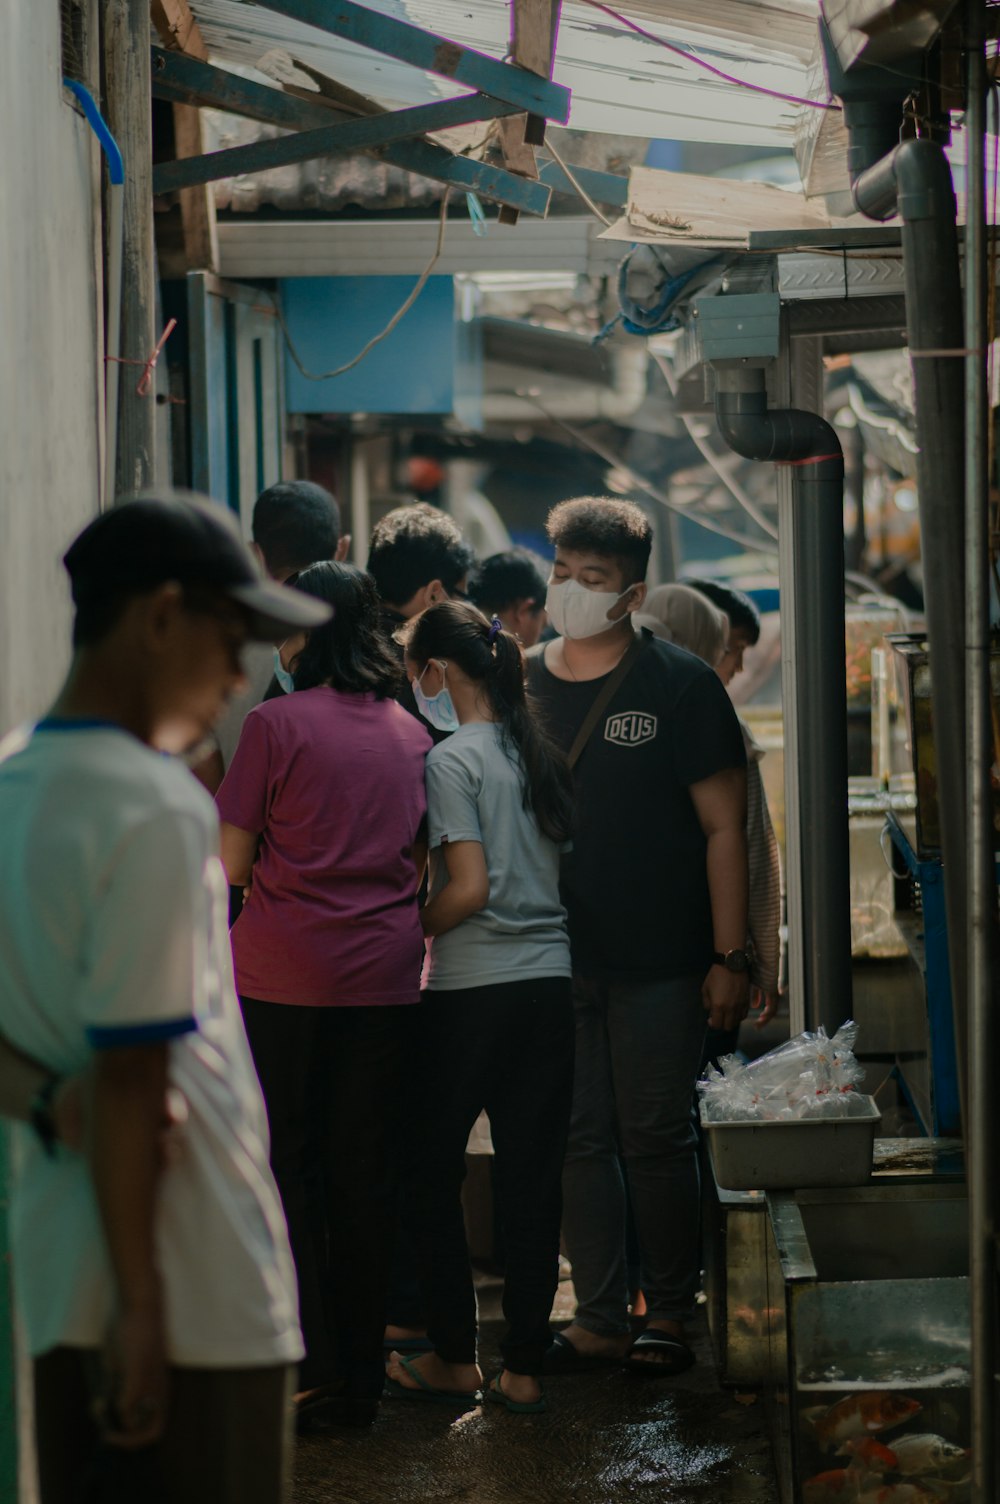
496, 626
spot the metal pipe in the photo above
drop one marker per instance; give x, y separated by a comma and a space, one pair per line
926, 202
808, 442
934, 322
915, 180
980, 935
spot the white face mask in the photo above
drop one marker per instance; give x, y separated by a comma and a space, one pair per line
577, 612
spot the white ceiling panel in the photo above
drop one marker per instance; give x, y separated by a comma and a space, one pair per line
621, 83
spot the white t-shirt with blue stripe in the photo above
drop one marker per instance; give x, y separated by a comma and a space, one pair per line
113, 931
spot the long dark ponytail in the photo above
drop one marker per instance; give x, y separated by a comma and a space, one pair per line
456, 631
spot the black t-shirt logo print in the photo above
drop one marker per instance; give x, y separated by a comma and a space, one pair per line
630, 728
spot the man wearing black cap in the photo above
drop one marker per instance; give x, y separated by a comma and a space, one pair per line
158, 1300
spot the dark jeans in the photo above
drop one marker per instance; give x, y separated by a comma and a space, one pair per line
331, 1079
227, 1438
509, 1049
638, 1049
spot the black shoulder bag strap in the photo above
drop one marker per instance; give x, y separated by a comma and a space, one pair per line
603, 700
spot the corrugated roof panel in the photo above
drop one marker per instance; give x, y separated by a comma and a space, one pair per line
621, 82
345, 248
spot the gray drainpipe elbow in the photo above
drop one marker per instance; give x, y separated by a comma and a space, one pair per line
782, 434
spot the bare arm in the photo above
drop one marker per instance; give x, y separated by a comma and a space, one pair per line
238, 849
420, 859
124, 1129
210, 771
721, 806
466, 892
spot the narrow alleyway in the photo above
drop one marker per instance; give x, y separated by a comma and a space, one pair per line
605, 1439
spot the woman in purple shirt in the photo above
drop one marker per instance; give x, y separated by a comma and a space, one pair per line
323, 820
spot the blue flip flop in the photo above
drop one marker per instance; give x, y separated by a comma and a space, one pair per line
428, 1392
495, 1395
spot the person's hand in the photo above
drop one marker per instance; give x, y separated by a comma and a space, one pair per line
133, 1410
767, 1002
69, 1113
726, 997
174, 1127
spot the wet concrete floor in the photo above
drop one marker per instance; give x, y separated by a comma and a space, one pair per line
605, 1439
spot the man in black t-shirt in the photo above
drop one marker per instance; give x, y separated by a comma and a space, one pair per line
656, 892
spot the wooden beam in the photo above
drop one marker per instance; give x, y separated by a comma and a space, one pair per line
605, 187
343, 138
179, 31
533, 27
127, 73
201, 241
435, 54
184, 80
535, 32
178, 28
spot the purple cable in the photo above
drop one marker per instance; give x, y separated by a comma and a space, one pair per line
701, 62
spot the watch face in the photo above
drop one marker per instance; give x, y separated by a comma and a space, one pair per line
737, 960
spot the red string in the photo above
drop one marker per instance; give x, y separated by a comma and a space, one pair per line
693, 57
145, 381
812, 459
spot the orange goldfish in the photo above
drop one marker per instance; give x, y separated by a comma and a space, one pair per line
897, 1493
876, 1457
838, 1486
863, 1414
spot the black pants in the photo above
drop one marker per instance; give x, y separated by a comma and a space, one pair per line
331, 1080
508, 1049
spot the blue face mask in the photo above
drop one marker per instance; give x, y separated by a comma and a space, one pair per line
282, 674
437, 710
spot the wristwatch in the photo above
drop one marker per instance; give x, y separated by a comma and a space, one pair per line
732, 960
41, 1115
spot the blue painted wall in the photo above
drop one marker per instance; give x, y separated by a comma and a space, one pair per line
331, 318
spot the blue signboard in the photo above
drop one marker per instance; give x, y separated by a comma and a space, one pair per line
330, 319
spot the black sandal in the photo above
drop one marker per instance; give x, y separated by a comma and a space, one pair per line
667, 1355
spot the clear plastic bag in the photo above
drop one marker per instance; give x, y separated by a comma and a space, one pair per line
809, 1076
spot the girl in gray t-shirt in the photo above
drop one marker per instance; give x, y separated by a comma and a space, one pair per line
496, 1018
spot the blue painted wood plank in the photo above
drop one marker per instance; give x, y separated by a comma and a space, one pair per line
186, 80
605, 187
435, 54
344, 137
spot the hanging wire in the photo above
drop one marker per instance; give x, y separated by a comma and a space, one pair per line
693, 57
707, 453
991, 306
400, 313
577, 185
753, 545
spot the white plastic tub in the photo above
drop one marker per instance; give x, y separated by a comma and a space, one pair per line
782, 1156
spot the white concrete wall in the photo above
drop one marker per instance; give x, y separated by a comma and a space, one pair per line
50, 357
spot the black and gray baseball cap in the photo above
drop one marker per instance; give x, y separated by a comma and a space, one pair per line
179, 536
